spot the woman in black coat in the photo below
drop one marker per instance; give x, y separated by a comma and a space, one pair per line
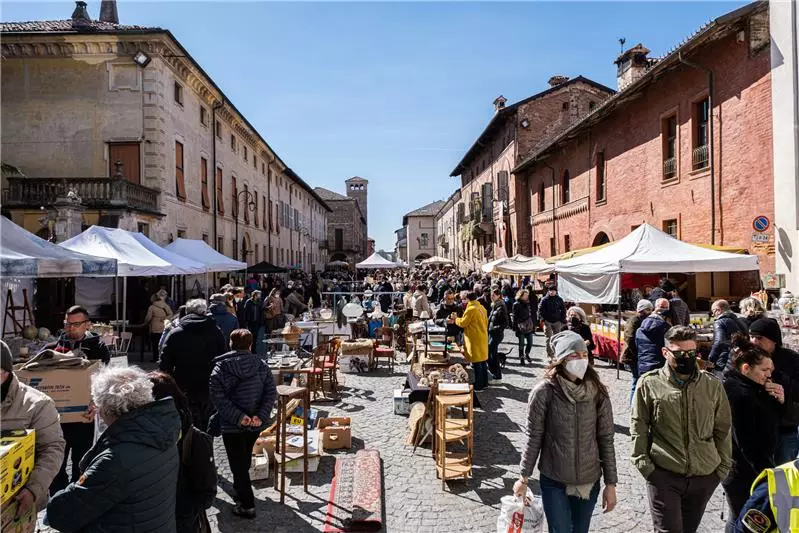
524, 321
755, 421
577, 321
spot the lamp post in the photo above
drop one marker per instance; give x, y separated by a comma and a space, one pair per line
249, 205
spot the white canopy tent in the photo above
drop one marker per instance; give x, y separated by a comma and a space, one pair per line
374, 262
595, 277
24, 255
518, 265
201, 252
136, 256
436, 260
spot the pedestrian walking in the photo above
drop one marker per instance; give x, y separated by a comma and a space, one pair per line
771, 506
726, 325
24, 407
197, 479
157, 315
252, 314
765, 333
524, 321
680, 312
650, 340
683, 458
497, 322
570, 435
552, 311
220, 312
129, 476
755, 422
474, 323
629, 356
577, 321
189, 351
243, 393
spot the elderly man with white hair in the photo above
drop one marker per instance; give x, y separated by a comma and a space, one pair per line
129, 477
188, 354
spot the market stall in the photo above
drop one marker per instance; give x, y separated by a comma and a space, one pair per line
201, 252
597, 277
376, 262
518, 265
436, 260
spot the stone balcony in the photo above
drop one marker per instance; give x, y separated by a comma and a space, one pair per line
94, 193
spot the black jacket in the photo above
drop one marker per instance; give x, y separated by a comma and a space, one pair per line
584, 331
552, 309
91, 345
242, 384
755, 418
649, 342
724, 327
385, 299
786, 373
485, 301
443, 313
197, 478
129, 477
498, 319
189, 352
521, 312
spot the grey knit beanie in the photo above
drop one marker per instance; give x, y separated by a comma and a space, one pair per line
566, 343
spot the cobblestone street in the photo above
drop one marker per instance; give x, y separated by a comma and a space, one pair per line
414, 501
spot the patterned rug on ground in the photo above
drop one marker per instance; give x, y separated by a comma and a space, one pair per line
356, 494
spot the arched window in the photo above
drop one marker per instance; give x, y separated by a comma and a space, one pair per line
541, 200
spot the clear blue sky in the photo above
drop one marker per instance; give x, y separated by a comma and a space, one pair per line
393, 92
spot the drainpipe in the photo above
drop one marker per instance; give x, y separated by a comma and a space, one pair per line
269, 206
710, 143
217, 105
554, 234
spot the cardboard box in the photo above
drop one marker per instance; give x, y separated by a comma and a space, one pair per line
265, 446
260, 467
336, 432
295, 465
70, 389
17, 451
10, 523
402, 403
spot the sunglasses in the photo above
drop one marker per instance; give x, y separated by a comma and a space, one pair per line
681, 354
74, 324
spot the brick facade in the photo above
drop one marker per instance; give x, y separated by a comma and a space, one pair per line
632, 140
347, 237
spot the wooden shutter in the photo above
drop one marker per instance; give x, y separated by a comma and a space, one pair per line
255, 216
271, 225
246, 204
204, 181
128, 155
235, 210
220, 198
180, 181
263, 217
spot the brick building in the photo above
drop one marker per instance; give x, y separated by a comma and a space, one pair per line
491, 212
447, 236
420, 231
685, 145
81, 95
347, 231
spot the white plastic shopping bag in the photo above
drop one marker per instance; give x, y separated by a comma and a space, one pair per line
518, 515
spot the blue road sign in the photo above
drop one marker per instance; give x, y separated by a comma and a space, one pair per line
761, 223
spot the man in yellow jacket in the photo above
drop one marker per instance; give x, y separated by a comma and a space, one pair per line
475, 331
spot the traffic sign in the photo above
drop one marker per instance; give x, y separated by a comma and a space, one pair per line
761, 223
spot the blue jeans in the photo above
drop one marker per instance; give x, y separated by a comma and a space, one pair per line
566, 514
480, 375
787, 447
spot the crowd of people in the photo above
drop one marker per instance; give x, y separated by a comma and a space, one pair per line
730, 419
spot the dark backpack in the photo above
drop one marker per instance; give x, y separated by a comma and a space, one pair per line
197, 457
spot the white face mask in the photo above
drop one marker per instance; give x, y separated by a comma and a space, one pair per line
577, 367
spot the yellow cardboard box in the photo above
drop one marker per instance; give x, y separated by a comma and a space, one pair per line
17, 450
70, 389
11, 523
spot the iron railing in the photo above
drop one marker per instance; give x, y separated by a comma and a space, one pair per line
669, 167
700, 157
106, 193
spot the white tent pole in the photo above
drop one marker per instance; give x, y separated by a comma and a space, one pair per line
618, 334
124, 303
116, 297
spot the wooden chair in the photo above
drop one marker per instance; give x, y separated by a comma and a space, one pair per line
330, 374
317, 370
122, 343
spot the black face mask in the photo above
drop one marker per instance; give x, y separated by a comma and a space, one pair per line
575, 322
685, 365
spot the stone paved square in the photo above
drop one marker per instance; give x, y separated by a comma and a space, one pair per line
414, 501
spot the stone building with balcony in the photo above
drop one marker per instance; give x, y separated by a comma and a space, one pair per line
448, 240
492, 215
420, 231
125, 118
347, 230
401, 245
685, 145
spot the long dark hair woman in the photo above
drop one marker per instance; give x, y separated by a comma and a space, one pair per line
197, 473
755, 421
570, 436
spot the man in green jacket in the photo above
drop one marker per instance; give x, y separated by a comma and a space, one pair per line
680, 430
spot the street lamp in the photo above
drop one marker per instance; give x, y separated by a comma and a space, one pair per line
249, 205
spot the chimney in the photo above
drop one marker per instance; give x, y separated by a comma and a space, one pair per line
108, 11
499, 103
556, 80
80, 17
631, 65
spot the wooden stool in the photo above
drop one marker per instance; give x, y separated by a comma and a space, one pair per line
285, 393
